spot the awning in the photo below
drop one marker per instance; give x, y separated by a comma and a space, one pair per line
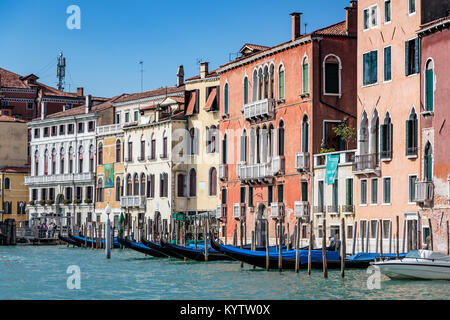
211, 98
191, 105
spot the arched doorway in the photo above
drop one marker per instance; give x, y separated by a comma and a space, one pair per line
261, 225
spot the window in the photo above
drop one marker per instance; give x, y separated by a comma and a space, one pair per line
36, 133
244, 146
349, 192
370, 17
136, 115
242, 198
387, 64
181, 185
54, 131
429, 86
80, 159
364, 192
89, 193
224, 150
163, 185
212, 139
100, 190
54, 161
305, 134
386, 229
224, 196
46, 161
281, 82
373, 228
91, 126
213, 182
411, 134
118, 188
225, 95
305, 75
192, 183
164, 153
412, 188
70, 160
332, 75
411, 6
7, 184
46, 132
61, 161
136, 184
142, 188
349, 231
281, 139
130, 151
280, 193
80, 127
151, 189
129, 186
363, 229
412, 56
118, 150
193, 141
387, 11
250, 196
69, 194
320, 196
30, 106
374, 191
269, 194
386, 138
70, 128
118, 117
428, 165
127, 117
153, 148
370, 67
386, 190
304, 190
100, 154
335, 194
245, 90
142, 157
62, 129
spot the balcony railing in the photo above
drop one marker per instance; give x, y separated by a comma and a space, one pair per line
60, 178
302, 161
276, 209
132, 201
348, 209
110, 129
238, 210
319, 209
424, 191
223, 171
366, 163
333, 209
259, 109
301, 209
278, 165
255, 172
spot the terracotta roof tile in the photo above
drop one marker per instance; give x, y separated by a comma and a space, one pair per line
210, 74
151, 93
4, 118
15, 169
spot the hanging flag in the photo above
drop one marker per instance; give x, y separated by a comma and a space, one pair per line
331, 169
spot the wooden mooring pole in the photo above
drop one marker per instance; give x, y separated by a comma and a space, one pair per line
267, 245
297, 246
381, 239
253, 244
324, 248
310, 245
280, 249
343, 248
431, 234
240, 233
448, 243
355, 227
206, 241
397, 249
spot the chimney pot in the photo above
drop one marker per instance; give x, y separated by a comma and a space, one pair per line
180, 76
80, 92
88, 103
204, 69
296, 25
43, 109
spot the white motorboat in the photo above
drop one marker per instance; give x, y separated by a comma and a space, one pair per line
418, 264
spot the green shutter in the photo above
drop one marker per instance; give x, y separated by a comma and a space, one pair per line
280, 193
246, 90
407, 58
429, 159
414, 125
387, 64
408, 138
226, 99
250, 196
374, 67
269, 194
382, 139
429, 90
390, 128
365, 69
416, 56
281, 85
242, 194
349, 192
305, 78
304, 186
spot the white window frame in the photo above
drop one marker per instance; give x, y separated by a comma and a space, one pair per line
409, 8
370, 25
382, 200
360, 192
384, 80
371, 198
390, 226
375, 83
409, 190
360, 229
384, 12
339, 94
118, 116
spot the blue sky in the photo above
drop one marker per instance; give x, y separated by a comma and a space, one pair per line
103, 56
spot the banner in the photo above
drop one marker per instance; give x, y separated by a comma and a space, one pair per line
109, 175
331, 169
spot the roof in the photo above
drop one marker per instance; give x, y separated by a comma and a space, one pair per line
210, 74
4, 118
435, 23
15, 169
151, 93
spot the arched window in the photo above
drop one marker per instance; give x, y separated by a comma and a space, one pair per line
181, 185
47, 159
305, 75
118, 150
266, 82
225, 98
386, 138
258, 145
136, 185
100, 190
305, 134
7, 184
224, 150
271, 141
61, 161
272, 81
332, 75
364, 134
80, 159
260, 84
36, 161
281, 82
411, 134
193, 141
428, 165
244, 146
212, 181
375, 134
54, 161
100, 154
245, 90
429, 85
214, 133
129, 186
164, 146
281, 138
142, 184
153, 148
71, 160
118, 188
255, 86
192, 183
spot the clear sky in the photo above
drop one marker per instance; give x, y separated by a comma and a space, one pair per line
103, 56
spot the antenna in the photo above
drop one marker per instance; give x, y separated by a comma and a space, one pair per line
305, 26
199, 60
142, 75
61, 71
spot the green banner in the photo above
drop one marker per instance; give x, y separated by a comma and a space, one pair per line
178, 216
331, 169
109, 175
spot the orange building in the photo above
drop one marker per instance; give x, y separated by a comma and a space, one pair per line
278, 106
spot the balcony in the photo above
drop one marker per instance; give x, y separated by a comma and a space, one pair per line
319, 209
110, 129
221, 211
255, 173
132, 201
276, 210
348, 209
301, 209
259, 109
239, 210
302, 161
333, 209
424, 191
366, 164
278, 165
223, 171
60, 178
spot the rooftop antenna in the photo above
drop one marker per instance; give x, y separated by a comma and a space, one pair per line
233, 55
142, 75
305, 27
61, 71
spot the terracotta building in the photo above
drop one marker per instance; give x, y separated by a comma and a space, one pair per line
278, 106
433, 186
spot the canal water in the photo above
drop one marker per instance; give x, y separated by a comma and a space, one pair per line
40, 272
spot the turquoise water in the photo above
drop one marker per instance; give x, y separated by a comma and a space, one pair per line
39, 272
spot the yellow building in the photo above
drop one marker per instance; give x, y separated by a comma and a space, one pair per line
14, 194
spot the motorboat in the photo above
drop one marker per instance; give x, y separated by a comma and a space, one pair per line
418, 264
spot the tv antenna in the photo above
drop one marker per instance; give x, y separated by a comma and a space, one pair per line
61, 71
142, 75
306, 24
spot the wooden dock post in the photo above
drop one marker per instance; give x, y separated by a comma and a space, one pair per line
390, 236
377, 237
280, 254
381, 239
355, 227
448, 245
195, 234
235, 235
297, 246
367, 237
431, 234
86, 230
253, 244
310, 245
324, 248
267, 245
397, 250
289, 245
361, 234
245, 232
240, 233
206, 241
343, 247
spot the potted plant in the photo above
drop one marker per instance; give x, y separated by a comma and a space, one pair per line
42, 202
77, 201
67, 201
49, 202
31, 203
88, 200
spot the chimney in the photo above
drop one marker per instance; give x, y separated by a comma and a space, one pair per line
204, 69
43, 109
88, 103
296, 25
351, 18
80, 92
180, 76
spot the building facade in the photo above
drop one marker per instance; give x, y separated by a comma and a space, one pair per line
14, 194
278, 107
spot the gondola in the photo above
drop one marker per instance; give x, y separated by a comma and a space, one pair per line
89, 242
69, 240
195, 254
258, 258
157, 247
131, 244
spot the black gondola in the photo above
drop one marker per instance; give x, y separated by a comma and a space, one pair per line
157, 247
195, 254
89, 242
69, 240
127, 243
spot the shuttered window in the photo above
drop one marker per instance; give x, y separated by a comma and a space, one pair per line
250, 196
363, 191
226, 99
374, 191
429, 95
386, 130
411, 135
305, 76
349, 192
412, 56
245, 90
335, 195
387, 11
304, 187
280, 193
242, 195
386, 190
412, 188
281, 84
387, 64
269, 194
370, 67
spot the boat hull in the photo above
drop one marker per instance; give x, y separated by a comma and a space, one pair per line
415, 269
157, 247
196, 254
140, 248
69, 240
